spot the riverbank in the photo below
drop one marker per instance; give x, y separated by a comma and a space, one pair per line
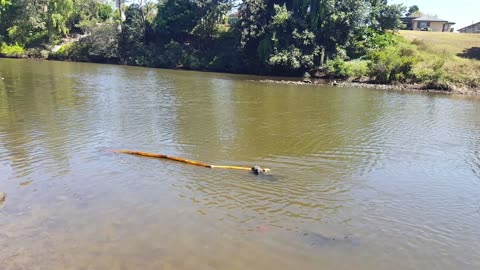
407, 61
452, 90
387, 87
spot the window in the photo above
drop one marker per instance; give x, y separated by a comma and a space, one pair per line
423, 24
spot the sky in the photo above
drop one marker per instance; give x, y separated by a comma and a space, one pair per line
462, 12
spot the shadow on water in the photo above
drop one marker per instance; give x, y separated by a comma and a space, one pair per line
265, 177
471, 53
315, 239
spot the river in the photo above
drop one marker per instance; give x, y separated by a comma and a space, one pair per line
361, 178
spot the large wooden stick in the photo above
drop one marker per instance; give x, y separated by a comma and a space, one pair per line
255, 169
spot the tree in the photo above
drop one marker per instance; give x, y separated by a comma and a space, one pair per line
389, 17
384, 16
412, 10
212, 12
4, 4
132, 37
299, 33
59, 13
87, 13
24, 21
176, 19
104, 11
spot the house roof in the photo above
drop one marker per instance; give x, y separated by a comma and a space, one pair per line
429, 19
470, 26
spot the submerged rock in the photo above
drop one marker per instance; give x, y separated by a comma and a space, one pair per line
3, 196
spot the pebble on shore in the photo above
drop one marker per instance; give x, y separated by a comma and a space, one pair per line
3, 196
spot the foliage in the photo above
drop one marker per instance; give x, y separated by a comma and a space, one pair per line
104, 11
393, 64
339, 68
14, 50
367, 40
100, 46
175, 20
411, 10
211, 14
4, 4
59, 13
434, 75
294, 36
132, 36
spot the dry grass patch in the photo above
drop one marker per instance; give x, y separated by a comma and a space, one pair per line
451, 50
443, 43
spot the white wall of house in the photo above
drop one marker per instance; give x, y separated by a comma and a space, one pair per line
435, 26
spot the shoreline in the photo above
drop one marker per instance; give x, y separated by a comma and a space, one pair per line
387, 87
461, 91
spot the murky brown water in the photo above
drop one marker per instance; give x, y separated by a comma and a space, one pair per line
361, 179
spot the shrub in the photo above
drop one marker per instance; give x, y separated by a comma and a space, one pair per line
104, 11
338, 68
420, 43
101, 47
393, 64
359, 68
433, 75
63, 53
12, 50
37, 53
369, 40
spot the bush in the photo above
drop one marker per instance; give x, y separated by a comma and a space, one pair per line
63, 53
104, 11
433, 75
100, 47
420, 43
338, 68
37, 39
12, 50
369, 40
393, 64
359, 68
37, 53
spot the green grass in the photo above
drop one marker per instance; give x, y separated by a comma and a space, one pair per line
459, 53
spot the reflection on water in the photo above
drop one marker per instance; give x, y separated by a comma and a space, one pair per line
361, 179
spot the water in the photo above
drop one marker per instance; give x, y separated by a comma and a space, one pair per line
361, 179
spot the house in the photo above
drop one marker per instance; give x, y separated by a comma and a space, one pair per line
437, 25
427, 24
407, 22
474, 28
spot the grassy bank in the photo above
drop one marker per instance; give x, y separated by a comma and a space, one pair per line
459, 52
424, 60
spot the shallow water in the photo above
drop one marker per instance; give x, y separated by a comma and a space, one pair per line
361, 179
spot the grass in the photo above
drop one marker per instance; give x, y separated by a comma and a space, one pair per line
445, 43
459, 52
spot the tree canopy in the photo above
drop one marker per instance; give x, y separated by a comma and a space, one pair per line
270, 36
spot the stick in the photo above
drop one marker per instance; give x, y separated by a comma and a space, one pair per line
255, 169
